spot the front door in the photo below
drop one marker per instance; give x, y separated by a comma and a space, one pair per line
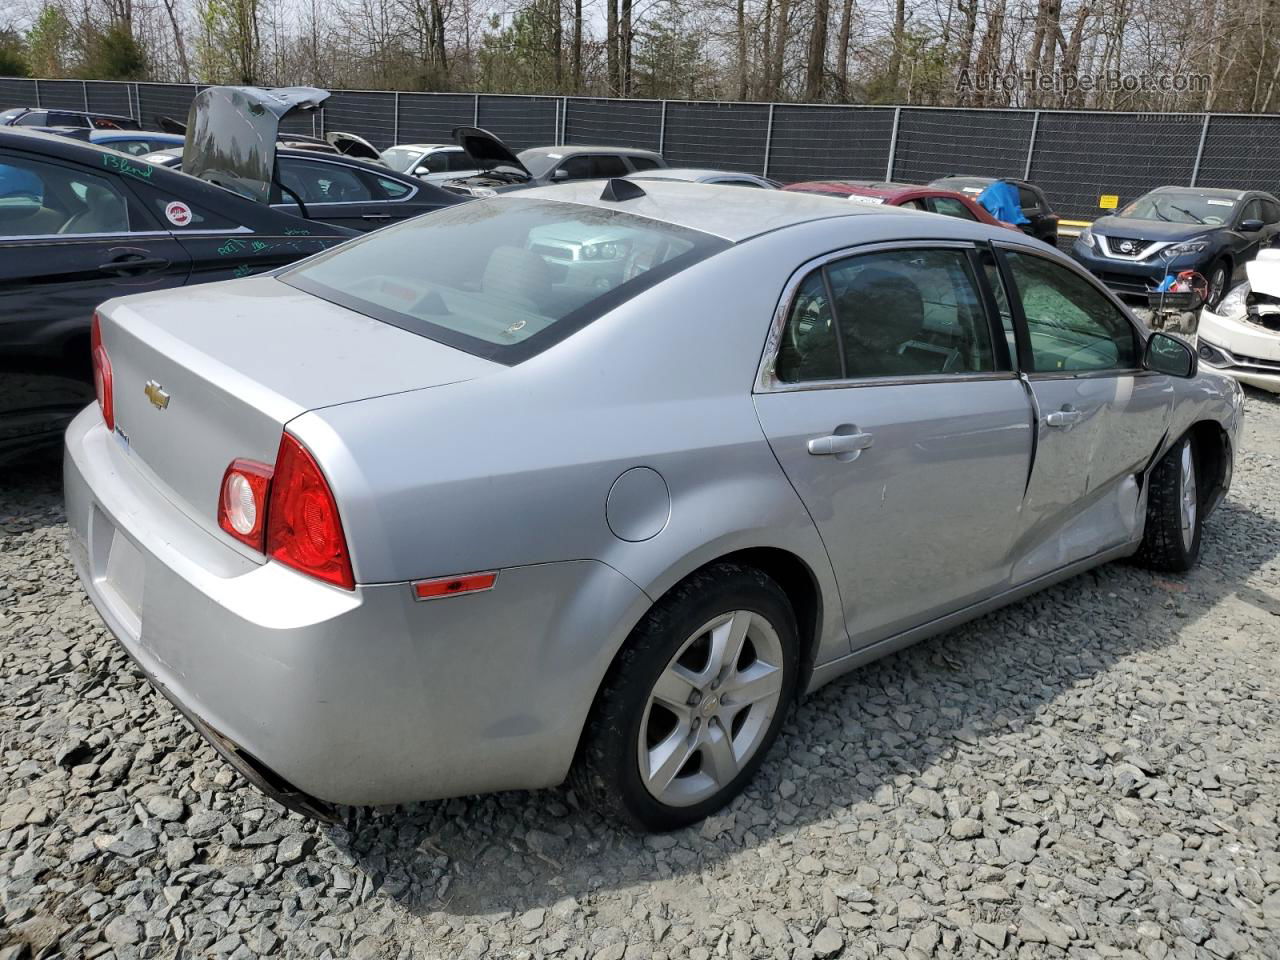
892, 407
1099, 416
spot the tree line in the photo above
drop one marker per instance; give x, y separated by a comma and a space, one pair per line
1094, 54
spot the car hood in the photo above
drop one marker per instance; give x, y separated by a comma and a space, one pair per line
231, 134
1264, 273
487, 150
1151, 229
353, 146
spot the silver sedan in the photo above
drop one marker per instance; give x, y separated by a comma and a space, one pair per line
600, 477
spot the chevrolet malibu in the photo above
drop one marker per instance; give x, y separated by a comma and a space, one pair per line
596, 479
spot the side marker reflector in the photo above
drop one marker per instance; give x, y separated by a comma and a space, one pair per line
452, 586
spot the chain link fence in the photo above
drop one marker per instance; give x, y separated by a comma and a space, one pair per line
1076, 156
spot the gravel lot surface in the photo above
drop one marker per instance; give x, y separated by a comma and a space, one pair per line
1094, 772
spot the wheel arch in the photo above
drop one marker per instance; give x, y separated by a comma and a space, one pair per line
1211, 446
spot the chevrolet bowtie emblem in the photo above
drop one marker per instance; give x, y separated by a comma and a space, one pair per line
156, 394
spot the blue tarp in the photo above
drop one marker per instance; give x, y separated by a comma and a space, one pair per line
1001, 201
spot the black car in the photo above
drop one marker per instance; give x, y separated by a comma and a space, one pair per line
1171, 229
36, 117
80, 224
1042, 221
503, 170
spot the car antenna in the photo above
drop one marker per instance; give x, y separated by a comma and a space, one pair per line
617, 190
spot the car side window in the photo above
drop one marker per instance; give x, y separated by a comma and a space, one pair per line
135, 148
322, 182
1027, 199
32, 120
609, 166
437, 162
738, 183
1252, 211
393, 189
1270, 211
46, 199
908, 204
644, 163
896, 313
459, 160
950, 207
1071, 326
577, 168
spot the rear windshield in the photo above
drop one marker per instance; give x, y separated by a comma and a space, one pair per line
502, 278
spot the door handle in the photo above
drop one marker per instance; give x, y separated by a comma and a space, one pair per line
840, 443
1064, 417
131, 263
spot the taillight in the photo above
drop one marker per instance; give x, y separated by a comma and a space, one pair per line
102, 374
242, 507
304, 530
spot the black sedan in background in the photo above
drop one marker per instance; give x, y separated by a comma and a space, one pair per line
1042, 222
80, 224
341, 190
1171, 229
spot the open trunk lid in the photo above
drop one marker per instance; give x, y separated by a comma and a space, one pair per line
201, 381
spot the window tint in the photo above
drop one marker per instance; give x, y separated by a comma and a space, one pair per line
644, 163
505, 277
1070, 324
45, 199
607, 166
740, 183
322, 182
950, 207
392, 189
437, 162
897, 313
1027, 199
158, 201
1252, 211
1270, 211
577, 168
459, 160
34, 120
809, 349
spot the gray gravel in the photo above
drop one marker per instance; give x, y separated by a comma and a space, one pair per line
1091, 773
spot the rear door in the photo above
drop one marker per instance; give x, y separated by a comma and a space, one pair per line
1099, 416
332, 191
70, 238
889, 400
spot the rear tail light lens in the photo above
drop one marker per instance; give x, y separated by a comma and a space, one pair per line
304, 530
242, 508
102, 374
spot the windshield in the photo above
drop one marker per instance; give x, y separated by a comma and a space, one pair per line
400, 158
1181, 207
503, 278
10, 114
539, 164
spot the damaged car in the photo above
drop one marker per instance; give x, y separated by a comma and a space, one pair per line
1241, 336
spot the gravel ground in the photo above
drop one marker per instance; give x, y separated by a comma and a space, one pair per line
1093, 772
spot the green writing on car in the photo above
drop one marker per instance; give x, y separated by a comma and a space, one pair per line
123, 164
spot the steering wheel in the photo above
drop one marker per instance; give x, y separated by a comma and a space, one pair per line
807, 319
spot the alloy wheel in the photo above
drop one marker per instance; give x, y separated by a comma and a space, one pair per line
1189, 504
710, 709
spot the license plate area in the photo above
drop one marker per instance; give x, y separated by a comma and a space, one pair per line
120, 572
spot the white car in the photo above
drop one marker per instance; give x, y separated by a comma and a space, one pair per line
1241, 337
432, 162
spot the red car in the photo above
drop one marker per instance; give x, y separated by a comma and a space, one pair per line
946, 202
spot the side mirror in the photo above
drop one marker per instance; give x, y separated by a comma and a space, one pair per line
1251, 225
421, 171
561, 174
1169, 355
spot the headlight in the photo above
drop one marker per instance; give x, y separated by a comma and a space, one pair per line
1086, 237
1182, 249
1234, 304
483, 192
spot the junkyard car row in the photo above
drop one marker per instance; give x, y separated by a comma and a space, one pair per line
594, 469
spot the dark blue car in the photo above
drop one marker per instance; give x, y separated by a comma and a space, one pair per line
1171, 229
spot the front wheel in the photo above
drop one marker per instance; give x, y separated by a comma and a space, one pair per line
1171, 541
1218, 278
687, 714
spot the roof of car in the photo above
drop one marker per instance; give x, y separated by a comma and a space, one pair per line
574, 150
1224, 192
721, 210
96, 135
689, 174
424, 146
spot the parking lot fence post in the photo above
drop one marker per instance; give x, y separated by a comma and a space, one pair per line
1204, 135
37, 83
564, 117
84, 95
395, 120
768, 140
662, 129
893, 145
1031, 144
475, 111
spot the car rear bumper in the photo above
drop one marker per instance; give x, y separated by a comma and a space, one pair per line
325, 696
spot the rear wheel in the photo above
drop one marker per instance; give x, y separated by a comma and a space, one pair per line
1171, 541
694, 702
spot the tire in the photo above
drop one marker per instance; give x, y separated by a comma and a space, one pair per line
687, 743
1171, 541
1219, 278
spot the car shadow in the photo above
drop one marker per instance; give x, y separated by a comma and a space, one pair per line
867, 739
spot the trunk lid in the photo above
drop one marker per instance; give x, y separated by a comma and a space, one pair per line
202, 380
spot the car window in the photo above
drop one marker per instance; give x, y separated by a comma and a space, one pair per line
178, 214
576, 168
906, 204
437, 162
502, 278
1270, 211
896, 313
644, 163
322, 182
739, 183
951, 207
459, 160
809, 349
33, 120
135, 148
1027, 199
1252, 211
1071, 325
609, 166
393, 189
995, 283
1181, 206
46, 199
